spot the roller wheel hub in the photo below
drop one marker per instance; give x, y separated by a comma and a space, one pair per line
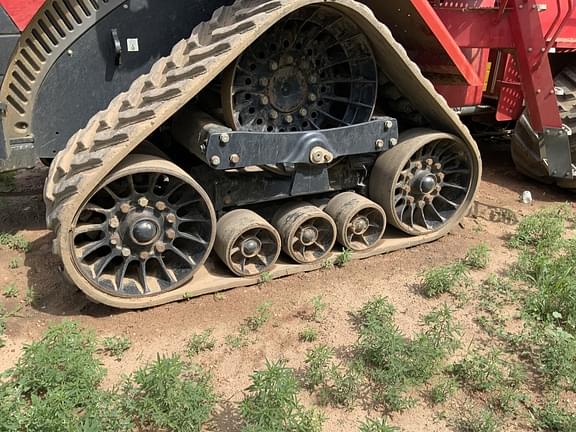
360, 225
251, 247
427, 182
309, 236
145, 231
288, 90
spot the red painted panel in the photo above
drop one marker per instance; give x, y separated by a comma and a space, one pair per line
21, 11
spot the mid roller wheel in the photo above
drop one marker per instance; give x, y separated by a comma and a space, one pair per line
360, 222
145, 231
308, 234
427, 182
247, 243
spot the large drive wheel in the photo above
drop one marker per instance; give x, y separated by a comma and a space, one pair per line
427, 182
314, 70
526, 142
145, 231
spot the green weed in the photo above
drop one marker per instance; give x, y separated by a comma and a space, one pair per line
479, 421
308, 335
544, 228
556, 355
14, 242
478, 257
343, 258
443, 391
377, 426
553, 418
317, 362
271, 403
480, 372
116, 346
10, 290
444, 279
265, 277
14, 263
319, 308
200, 342
256, 321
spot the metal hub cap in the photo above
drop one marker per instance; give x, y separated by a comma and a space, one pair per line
251, 247
309, 235
360, 225
427, 183
314, 70
145, 231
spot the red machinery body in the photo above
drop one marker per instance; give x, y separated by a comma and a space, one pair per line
21, 11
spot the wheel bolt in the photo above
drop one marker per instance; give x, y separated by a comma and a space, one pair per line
143, 202
234, 159
224, 138
126, 252
410, 199
114, 222
289, 119
264, 82
379, 144
115, 240
215, 161
273, 114
428, 199
418, 165
388, 124
438, 188
289, 60
437, 166
171, 218
160, 206
429, 162
312, 97
421, 204
144, 255
313, 79
171, 234
125, 208
273, 66
303, 112
407, 189
441, 176
160, 247
264, 100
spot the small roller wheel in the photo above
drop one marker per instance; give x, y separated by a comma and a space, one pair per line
427, 182
247, 243
360, 222
308, 234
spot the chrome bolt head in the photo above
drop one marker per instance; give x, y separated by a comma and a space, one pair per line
160, 206
234, 159
143, 202
312, 97
215, 161
388, 124
114, 222
393, 141
160, 247
303, 112
125, 208
273, 114
379, 144
171, 218
289, 119
126, 252
171, 234
264, 100
224, 138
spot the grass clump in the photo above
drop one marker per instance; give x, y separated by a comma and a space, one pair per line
381, 425
116, 346
14, 263
308, 335
444, 279
10, 290
555, 355
479, 421
343, 258
170, 395
478, 257
200, 342
553, 418
543, 228
443, 391
261, 317
271, 403
394, 363
318, 309
14, 242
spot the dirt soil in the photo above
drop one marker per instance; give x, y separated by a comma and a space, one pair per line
165, 329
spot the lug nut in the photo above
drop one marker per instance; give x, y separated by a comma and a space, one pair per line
429, 162
234, 159
393, 141
407, 188
215, 161
143, 202
379, 144
273, 114
114, 222
125, 208
160, 206
289, 119
441, 176
264, 82
264, 100
273, 66
115, 240
126, 252
428, 199
418, 165
312, 97
388, 124
160, 247
421, 204
437, 166
171, 218
224, 138
438, 188
410, 199
313, 79
303, 112
144, 255
171, 234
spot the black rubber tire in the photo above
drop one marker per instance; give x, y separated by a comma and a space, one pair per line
525, 142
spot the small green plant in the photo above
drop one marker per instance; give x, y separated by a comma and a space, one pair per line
544, 228
170, 395
308, 335
14, 263
478, 257
219, 297
236, 341
556, 355
553, 418
116, 346
443, 391
319, 308
200, 342
265, 277
479, 421
271, 403
328, 264
480, 372
506, 399
381, 425
317, 362
343, 258
444, 279
256, 321
10, 290
14, 242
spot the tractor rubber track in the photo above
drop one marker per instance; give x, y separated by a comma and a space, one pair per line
92, 153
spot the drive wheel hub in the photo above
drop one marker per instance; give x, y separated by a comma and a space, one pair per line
145, 231
427, 183
288, 90
251, 247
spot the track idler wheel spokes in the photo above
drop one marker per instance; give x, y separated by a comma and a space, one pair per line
308, 234
146, 230
360, 222
426, 182
247, 243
